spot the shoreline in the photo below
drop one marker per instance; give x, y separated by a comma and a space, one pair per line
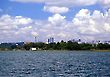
92, 50
102, 50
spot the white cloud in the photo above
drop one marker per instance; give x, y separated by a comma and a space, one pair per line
92, 25
34, 33
105, 3
56, 19
107, 27
97, 14
55, 9
85, 25
68, 3
13, 27
83, 13
6, 22
22, 20
61, 2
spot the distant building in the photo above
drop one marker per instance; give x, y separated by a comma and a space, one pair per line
33, 49
77, 40
51, 40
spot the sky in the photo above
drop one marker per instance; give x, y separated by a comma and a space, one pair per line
22, 20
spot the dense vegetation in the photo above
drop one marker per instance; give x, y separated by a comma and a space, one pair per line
56, 46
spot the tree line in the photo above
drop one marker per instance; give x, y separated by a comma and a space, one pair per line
55, 46
67, 46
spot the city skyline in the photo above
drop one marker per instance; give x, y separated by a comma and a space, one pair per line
23, 20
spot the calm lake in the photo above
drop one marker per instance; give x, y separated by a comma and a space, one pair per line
54, 64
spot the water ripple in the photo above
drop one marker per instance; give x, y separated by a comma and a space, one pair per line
54, 64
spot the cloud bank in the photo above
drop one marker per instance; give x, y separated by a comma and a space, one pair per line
85, 25
68, 3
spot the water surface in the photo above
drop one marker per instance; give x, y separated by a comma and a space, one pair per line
54, 64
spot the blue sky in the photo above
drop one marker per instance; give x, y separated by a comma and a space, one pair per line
35, 10
58, 19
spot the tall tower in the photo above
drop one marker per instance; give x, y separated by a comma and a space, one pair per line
35, 39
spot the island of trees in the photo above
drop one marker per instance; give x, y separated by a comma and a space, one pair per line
69, 45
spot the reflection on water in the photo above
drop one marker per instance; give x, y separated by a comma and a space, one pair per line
54, 64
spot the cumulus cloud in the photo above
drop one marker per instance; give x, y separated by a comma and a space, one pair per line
56, 19
55, 9
94, 25
8, 22
13, 27
84, 25
5, 20
83, 13
22, 20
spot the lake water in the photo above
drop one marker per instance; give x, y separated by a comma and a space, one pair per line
54, 64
